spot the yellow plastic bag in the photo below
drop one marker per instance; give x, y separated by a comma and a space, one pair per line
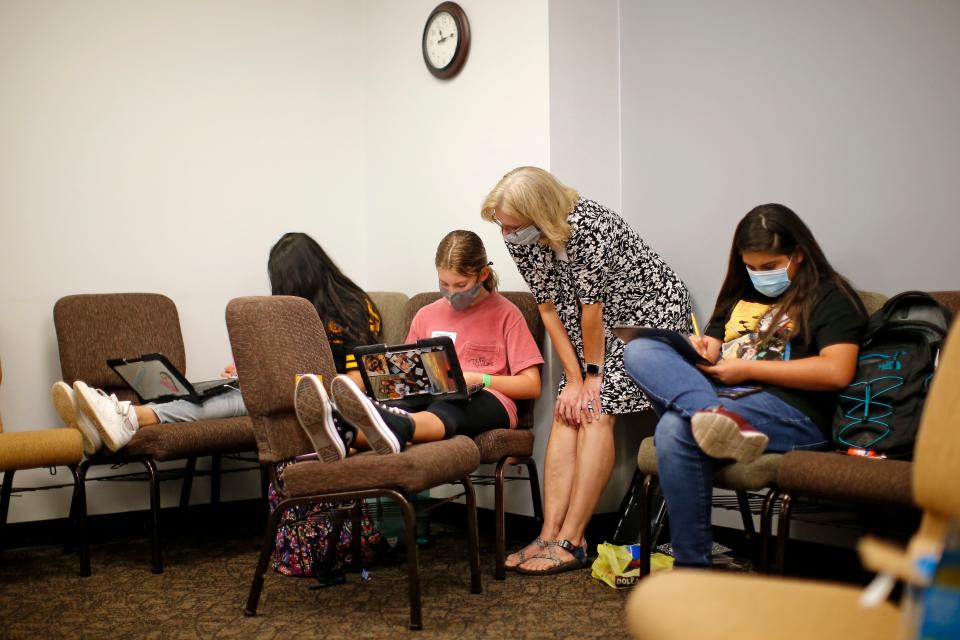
618, 566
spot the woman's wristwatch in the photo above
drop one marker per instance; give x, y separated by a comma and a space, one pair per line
594, 369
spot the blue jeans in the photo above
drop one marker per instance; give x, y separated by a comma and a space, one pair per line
677, 390
228, 404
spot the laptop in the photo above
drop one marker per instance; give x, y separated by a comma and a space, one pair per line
154, 379
413, 375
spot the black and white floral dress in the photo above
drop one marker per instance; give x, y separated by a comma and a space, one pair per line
606, 261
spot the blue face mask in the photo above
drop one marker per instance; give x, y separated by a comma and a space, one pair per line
460, 300
528, 235
771, 283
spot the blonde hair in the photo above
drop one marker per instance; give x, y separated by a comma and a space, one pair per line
463, 252
534, 196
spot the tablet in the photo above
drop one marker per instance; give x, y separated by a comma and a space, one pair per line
676, 340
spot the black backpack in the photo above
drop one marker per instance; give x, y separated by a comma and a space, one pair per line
880, 411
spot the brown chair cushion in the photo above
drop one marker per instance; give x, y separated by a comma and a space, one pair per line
759, 474
498, 443
177, 440
826, 474
44, 448
416, 468
686, 603
949, 299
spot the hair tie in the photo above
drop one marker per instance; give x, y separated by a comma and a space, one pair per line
490, 264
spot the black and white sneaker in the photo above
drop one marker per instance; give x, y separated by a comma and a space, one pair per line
315, 414
387, 429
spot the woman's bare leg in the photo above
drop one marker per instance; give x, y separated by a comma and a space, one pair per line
594, 465
559, 469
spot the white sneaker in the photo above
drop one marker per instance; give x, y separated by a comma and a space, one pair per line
65, 401
315, 414
116, 420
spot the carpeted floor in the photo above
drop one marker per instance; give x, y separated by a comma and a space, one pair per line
207, 575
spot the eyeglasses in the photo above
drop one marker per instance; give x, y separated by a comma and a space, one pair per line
505, 229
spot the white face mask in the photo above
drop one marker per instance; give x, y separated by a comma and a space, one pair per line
528, 235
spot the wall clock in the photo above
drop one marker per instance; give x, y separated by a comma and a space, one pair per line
446, 40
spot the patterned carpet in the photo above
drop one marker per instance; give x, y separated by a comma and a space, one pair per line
207, 575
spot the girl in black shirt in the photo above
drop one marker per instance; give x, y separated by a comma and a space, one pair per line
787, 326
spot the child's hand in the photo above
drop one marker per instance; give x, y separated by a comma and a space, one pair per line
706, 346
472, 378
229, 371
728, 371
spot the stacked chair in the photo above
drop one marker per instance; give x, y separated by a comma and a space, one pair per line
503, 447
685, 604
45, 448
94, 328
275, 338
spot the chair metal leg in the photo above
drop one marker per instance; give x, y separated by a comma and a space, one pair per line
646, 499
413, 560
266, 550
473, 536
749, 530
157, 560
499, 570
188, 470
783, 532
356, 535
5, 503
80, 500
766, 528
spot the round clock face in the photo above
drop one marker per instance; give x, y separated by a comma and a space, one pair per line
440, 40
446, 40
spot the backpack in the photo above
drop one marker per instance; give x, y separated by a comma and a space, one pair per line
302, 535
879, 413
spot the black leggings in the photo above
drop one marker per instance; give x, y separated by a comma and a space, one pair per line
480, 412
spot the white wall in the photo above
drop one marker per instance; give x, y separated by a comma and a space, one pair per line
165, 146
434, 148
143, 145
848, 112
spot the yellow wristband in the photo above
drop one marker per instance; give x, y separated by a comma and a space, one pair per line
487, 380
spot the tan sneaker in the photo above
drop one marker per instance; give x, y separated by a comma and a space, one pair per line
722, 433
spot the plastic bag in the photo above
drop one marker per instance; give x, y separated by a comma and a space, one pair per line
618, 566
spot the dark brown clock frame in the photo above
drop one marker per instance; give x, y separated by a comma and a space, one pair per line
463, 40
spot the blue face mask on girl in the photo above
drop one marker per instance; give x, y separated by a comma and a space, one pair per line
771, 283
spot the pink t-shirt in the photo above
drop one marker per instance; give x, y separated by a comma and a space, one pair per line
490, 337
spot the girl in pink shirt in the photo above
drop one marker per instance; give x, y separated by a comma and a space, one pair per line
493, 344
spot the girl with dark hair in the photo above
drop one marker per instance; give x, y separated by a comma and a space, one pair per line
298, 266
494, 346
787, 326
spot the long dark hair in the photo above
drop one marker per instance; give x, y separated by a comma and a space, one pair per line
774, 228
298, 266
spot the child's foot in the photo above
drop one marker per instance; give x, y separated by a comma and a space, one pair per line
115, 420
722, 433
387, 429
315, 413
557, 557
517, 558
65, 401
